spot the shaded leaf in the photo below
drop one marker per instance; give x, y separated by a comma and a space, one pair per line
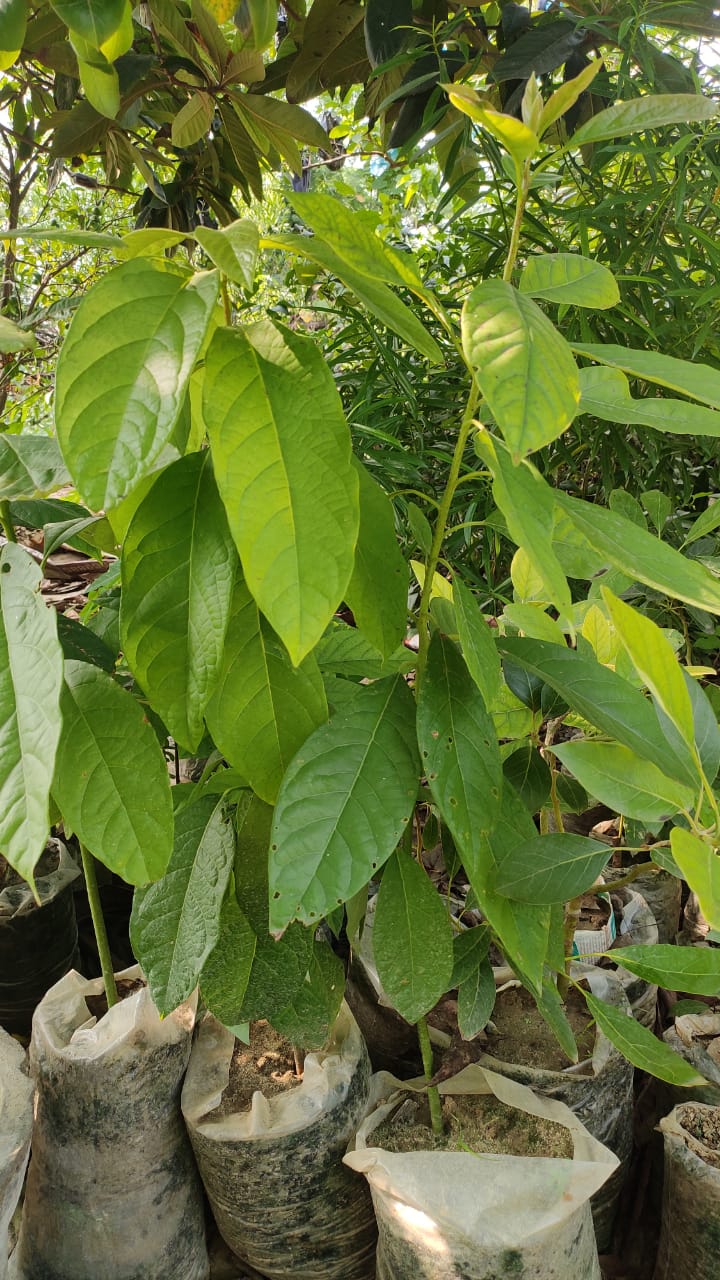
377, 592
551, 868
412, 938
624, 781
476, 1000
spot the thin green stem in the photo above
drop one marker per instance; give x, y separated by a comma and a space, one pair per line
523, 189
6, 521
429, 1069
103, 946
441, 527
227, 308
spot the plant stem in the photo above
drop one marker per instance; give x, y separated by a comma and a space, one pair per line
98, 920
6, 521
523, 190
429, 1069
572, 914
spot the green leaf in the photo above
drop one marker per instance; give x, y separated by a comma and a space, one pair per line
641, 555
700, 865
100, 82
551, 868
458, 748
123, 373
13, 22
277, 973
519, 141
377, 592
569, 279
603, 698
111, 781
526, 501
699, 381
412, 938
605, 393
29, 466
87, 239
94, 20
385, 28
344, 803
653, 657
653, 111
521, 928
12, 338
345, 651
523, 366
469, 949
372, 292
567, 95
552, 1009
624, 781
233, 249
283, 124
30, 682
476, 1000
175, 922
328, 27
193, 121
529, 774
226, 972
81, 644
706, 522
256, 19
178, 567
263, 708
478, 646
253, 824
307, 1020
640, 1046
695, 970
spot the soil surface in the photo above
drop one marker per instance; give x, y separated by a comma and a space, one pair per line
704, 1126
522, 1035
98, 1005
267, 1064
475, 1124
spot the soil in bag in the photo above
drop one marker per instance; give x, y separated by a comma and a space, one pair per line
690, 1231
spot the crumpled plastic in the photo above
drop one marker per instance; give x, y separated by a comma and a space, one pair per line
112, 1187
637, 927
273, 1173
16, 1117
696, 1037
442, 1215
690, 1226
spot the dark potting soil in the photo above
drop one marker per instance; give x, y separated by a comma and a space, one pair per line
266, 1065
704, 1126
98, 1004
476, 1124
521, 1034
594, 913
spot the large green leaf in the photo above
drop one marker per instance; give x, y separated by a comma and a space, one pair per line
570, 279
308, 1017
330, 25
478, 646
123, 372
111, 781
281, 450
640, 1046
603, 698
412, 938
641, 555
178, 567
523, 366
175, 922
695, 970
522, 928
344, 803
526, 501
619, 778
653, 657
605, 393
29, 466
95, 20
226, 972
373, 293
551, 868
699, 863
193, 121
31, 666
13, 22
377, 592
458, 747
650, 112
233, 249
476, 1000
263, 708
12, 338
386, 23
690, 378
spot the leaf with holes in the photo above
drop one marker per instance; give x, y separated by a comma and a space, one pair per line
412, 938
282, 457
458, 747
31, 667
178, 567
523, 366
175, 922
111, 781
263, 708
344, 803
123, 373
